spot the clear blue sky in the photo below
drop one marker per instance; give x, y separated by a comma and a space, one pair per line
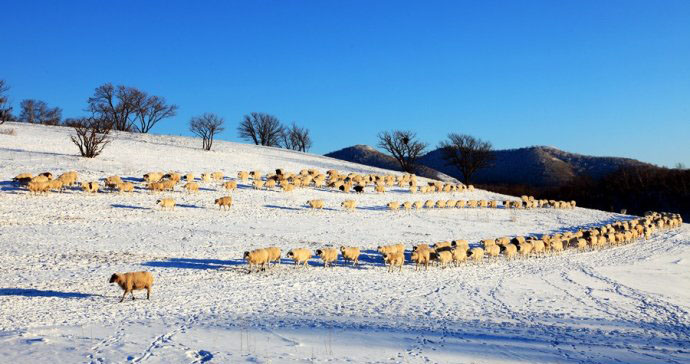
594, 77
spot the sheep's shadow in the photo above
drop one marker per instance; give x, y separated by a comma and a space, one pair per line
192, 263
207, 189
188, 206
373, 208
30, 292
132, 179
282, 207
10, 186
131, 207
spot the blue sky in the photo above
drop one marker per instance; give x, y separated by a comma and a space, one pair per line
593, 77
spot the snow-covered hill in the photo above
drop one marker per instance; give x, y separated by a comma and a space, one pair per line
624, 304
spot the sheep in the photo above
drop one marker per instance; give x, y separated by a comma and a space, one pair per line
56, 185
350, 253
525, 249
510, 251
460, 244
581, 245
68, 178
421, 247
493, 204
461, 204
488, 242
166, 203
557, 245
112, 182
349, 205
472, 204
258, 184
230, 185
287, 187
133, 281
441, 204
223, 202
538, 247
300, 256
327, 255
315, 204
189, 177
407, 205
345, 187
40, 178
38, 187
447, 245
172, 176
191, 187
397, 248
429, 204
459, 255
483, 203
205, 177
273, 254
256, 258
153, 177
243, 176
493, 250
393, 259
444, 257
217, 176
418, 205
22, 176
476, 254
393, 205
125, 187
91, 187
155, 186
270, 184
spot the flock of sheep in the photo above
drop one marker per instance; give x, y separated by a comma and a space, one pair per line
459, 251
441, 253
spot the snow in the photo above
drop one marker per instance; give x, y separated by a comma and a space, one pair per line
625, 304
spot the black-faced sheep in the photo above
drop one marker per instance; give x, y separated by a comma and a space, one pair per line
133, 281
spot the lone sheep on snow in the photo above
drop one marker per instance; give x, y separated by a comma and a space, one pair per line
327, 255
133, 281
300, 256
166, 203
350, 253
349, 205
224, 202
256, 258
315, 204
393, 205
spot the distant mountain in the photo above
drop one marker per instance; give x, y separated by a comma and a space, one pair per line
369, 156
537, 166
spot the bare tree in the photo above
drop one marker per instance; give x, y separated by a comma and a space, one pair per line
403, 146
5, 108
151, 110
116, 105
261, 128
467, 153
296, 138
38, 112
91, 135
206, 126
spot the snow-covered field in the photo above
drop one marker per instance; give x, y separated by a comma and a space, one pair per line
627, 304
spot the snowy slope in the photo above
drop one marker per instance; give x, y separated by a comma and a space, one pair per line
625, 304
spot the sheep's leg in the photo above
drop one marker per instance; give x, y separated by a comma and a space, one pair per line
123, 296
132, 293
148, 293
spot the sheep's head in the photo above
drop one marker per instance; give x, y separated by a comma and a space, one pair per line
114, 278
290, 254
319, 252
158, 201
246, 255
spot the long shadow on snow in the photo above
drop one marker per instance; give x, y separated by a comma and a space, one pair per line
191, 263
120, 206
282, 207
30, 292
